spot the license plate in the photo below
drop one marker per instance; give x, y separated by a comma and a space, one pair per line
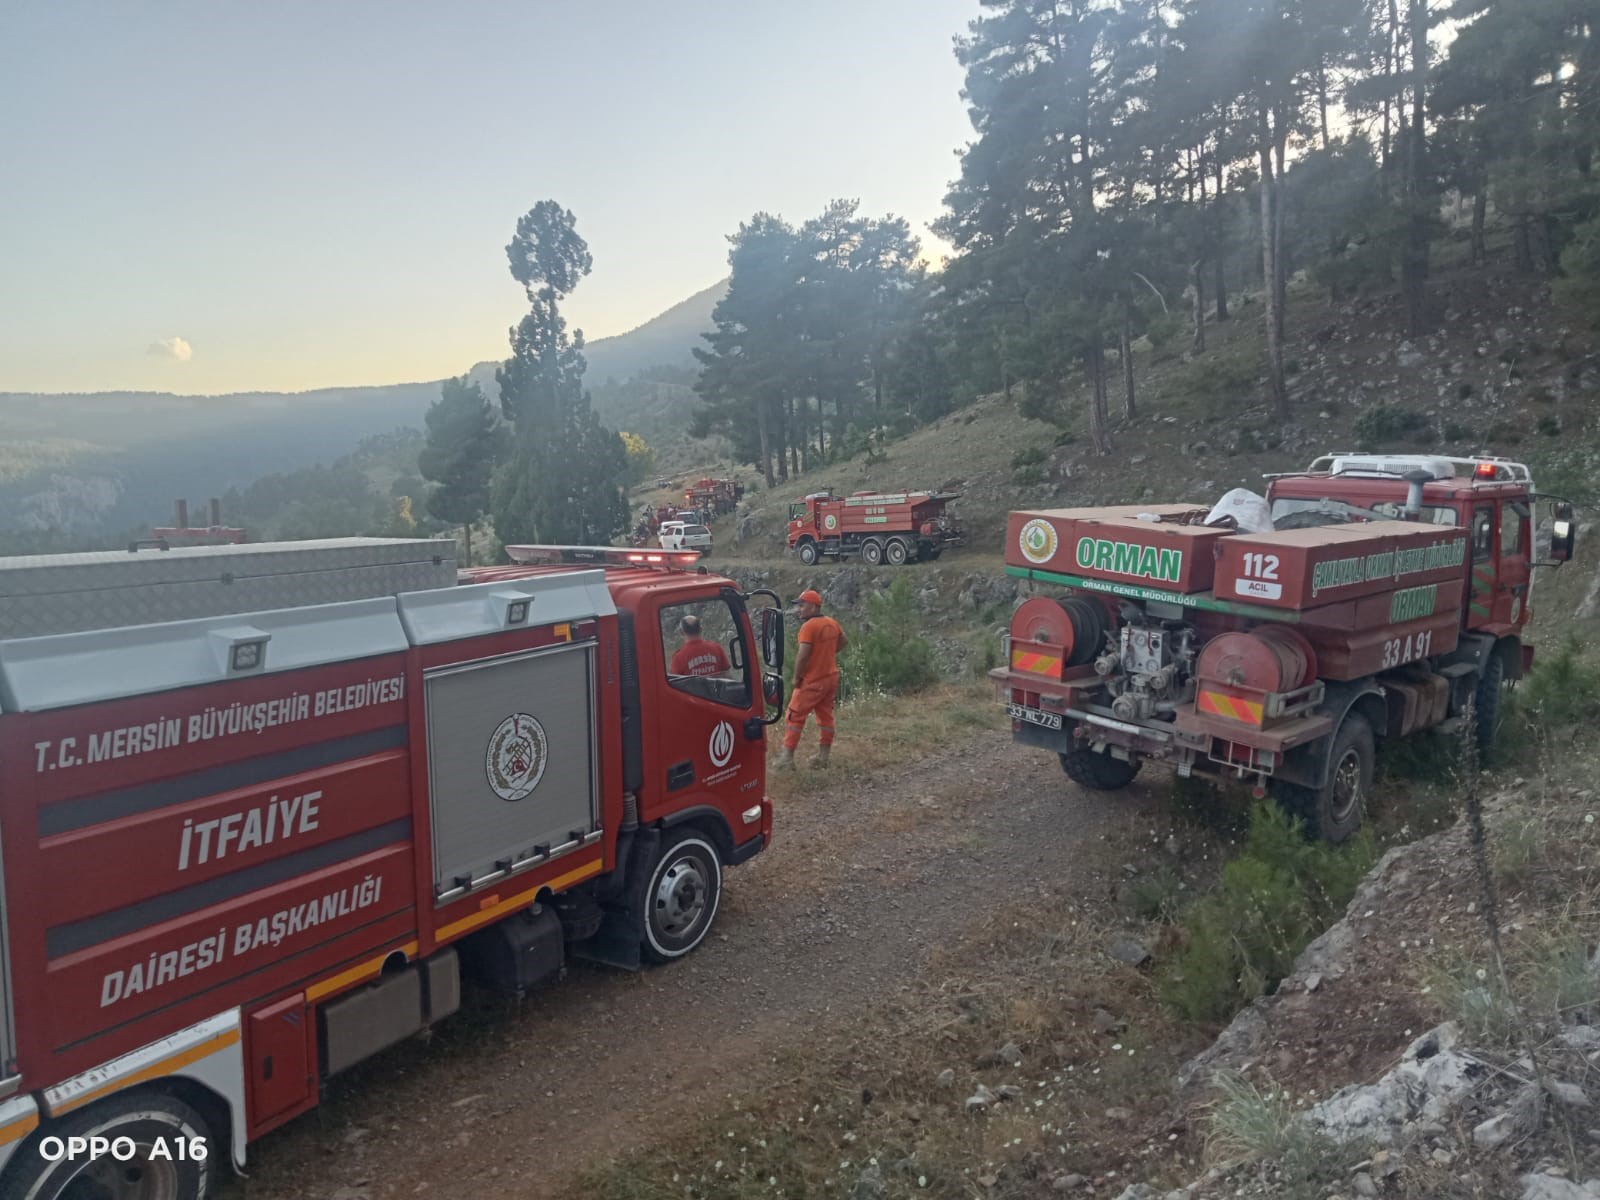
1020, 712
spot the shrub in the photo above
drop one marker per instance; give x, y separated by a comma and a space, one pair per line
1155, 897
1164, 332
1457, 433
1505, 433
1029, 476
1549, 426
1220, 383
1254, 1123
1242, 939
1031, 456
1562, 691
1390, 423
1475, 997
1556, 974
891, 654
1464, 390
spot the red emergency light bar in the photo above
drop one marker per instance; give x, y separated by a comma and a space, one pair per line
613, 555
1487, 470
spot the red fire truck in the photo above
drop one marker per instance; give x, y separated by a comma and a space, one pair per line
897, 529
263, 807
714, 497
1389, 597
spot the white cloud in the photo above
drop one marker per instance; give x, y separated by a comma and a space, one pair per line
172, 347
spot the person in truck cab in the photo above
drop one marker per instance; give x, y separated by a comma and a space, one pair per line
697, 655
816, 679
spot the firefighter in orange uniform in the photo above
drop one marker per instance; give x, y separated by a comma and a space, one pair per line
816, 679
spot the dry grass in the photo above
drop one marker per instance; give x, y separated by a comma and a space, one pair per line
881, 735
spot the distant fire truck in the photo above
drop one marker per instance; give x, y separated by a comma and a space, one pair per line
714, 497
1389, 597
894, 528
263, 807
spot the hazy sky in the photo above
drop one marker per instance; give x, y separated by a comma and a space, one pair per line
265, 194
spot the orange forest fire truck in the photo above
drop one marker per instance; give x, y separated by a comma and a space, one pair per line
1389, 597
263, 807
897, 529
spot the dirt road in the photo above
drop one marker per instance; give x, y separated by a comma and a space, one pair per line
864, 880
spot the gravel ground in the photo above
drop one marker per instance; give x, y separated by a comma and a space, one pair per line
865, 878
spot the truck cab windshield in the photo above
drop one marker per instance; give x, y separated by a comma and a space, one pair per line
1286, 507
704, 651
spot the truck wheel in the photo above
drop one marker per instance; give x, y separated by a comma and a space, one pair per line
1334, 811
872, 551
144, 1118
808, 553
896, 553
1486, 704
1097, 770
681, 900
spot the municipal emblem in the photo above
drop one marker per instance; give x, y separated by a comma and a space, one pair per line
830, 522
721, 746
516, 757
1039, 541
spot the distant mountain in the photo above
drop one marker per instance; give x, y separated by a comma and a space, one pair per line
663, 341
115, 460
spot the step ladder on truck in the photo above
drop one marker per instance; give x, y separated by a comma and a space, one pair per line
262, 809
1384, 595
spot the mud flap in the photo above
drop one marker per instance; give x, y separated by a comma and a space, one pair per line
617, 942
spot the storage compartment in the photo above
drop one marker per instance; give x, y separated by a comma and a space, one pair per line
511, 769
280, 1067
1309, 568
1127, 550
516, 953
442, 975
364, 1022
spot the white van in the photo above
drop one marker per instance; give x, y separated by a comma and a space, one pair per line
680, 535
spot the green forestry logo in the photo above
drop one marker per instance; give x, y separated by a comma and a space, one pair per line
1039, 541
1125, 558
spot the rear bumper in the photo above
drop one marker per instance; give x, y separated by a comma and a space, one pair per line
1190, 742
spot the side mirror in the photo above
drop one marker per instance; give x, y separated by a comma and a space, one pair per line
1563, 534
772, 689
772, 640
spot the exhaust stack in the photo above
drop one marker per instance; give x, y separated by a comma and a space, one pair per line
1414, 481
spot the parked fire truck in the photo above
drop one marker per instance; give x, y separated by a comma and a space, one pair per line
1389, 597
263, 807
714, 497
895, 528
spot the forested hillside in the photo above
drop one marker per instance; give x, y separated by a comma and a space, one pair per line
1142, 171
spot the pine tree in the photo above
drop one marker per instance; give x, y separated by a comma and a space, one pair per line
564, 480
465, 440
